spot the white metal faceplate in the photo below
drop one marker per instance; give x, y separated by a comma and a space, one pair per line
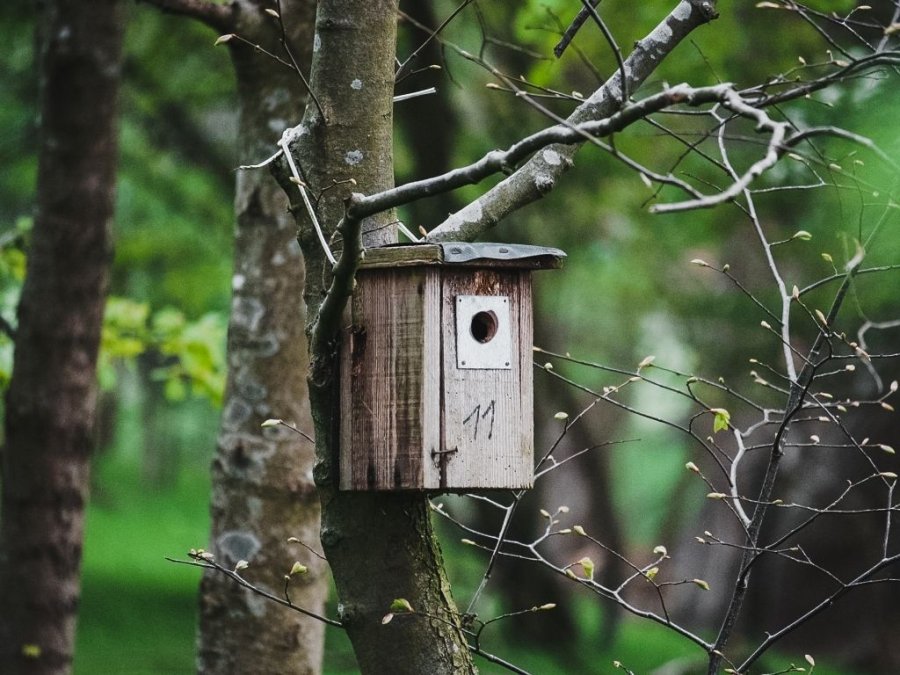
483, 332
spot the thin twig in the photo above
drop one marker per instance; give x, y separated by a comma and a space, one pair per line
290, 53
401, 73
208, 562
589, 6
574, 27
309, 207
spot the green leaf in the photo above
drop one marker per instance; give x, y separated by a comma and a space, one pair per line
12, 264
721, 419
31, 651
401, 605
588, 566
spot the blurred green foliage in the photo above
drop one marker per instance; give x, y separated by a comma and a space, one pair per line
170, 278
192, 352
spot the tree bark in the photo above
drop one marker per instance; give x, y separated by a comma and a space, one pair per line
380, 546
263, 492
50, 405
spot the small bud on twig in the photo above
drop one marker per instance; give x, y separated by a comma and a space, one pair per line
646, 361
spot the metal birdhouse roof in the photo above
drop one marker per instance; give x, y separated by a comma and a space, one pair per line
477, 254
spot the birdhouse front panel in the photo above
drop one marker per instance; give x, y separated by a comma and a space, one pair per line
436, 377
487, 435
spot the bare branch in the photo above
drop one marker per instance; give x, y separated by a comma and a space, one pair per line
286, 138
799, 390
574, 27
327, 324
550, 140
540, 173
826, 603
296, 66
613, 45
780, 141
206, 561
403, 69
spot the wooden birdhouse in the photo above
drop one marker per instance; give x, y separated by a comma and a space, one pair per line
436, 368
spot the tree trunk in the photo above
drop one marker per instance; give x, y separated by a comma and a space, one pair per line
51, 401
263, 492
380, 546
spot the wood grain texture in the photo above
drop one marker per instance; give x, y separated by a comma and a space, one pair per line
382, 396
411, 418
486, 417
431, 373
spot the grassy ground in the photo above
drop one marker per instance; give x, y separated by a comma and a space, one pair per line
138, 610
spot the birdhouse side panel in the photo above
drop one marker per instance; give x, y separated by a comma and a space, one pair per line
487, 409
384, 411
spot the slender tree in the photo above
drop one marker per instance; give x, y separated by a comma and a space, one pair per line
263, 493
51, 401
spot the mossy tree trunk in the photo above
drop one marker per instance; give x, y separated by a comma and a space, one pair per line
263, 492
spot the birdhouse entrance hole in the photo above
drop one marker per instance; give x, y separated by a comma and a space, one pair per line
484, 326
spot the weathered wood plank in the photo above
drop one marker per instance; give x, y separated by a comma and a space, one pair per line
402, 256
382, 397
526, 372
431, 382
484, 423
